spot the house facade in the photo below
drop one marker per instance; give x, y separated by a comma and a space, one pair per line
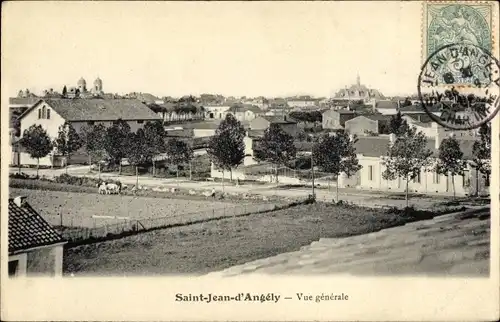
335, 119
35, 248
368, 124
303, 103
262, 123
372, 150
245, 113
52, 113
217, 112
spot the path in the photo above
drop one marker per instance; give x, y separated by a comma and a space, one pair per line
362, 198
455, 244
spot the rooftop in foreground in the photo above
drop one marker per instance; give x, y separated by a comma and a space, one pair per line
455, 245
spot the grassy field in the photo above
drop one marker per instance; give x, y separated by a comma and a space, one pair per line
79, 207
212, 246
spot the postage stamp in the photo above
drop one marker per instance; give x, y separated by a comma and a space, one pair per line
471, 103
446, 23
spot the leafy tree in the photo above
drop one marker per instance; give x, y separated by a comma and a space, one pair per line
276, 147
154, 133
116, 145
94, 142
407, 157
481, 155
450, 160
398, 125
226, 148
67, 141
136, 154
336, 154
178, 152
64, 92
77, 93
37, 143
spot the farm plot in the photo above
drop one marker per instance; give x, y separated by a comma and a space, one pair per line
80, 209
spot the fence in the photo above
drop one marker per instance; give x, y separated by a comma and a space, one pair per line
74, 234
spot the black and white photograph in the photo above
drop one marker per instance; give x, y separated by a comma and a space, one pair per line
247, 140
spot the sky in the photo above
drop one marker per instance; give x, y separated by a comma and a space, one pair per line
230, 48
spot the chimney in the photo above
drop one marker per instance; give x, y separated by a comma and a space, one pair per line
392, 138
20, 201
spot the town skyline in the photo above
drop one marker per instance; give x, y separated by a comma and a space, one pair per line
179, 51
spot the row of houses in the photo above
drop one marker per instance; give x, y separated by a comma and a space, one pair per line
371, 151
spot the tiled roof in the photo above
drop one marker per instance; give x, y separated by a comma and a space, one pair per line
27, 229
244, 108
376, 117
28, 101
100, 109
377, 146
275, 119
340, 112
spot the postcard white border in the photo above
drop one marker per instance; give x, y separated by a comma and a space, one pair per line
128, 299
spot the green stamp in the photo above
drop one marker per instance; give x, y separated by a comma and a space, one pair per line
456, 23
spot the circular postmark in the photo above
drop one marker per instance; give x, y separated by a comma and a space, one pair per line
459, 86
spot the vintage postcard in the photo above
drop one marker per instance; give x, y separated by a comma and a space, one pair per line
247, 161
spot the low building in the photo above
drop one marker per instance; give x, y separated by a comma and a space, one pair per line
245, 113
368, 124
335, 119
303, 103
35, 248
386, 107
418, 110
216, 111
372, 150
52, 113
287, 124
434, 130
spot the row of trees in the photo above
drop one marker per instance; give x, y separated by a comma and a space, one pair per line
111, 144
409, 155
307, 116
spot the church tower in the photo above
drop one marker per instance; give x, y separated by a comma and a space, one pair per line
82, 85
97, 89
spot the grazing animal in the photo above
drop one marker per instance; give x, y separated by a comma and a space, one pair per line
113, 188
103, 189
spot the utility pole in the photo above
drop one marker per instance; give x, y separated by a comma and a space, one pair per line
312, 168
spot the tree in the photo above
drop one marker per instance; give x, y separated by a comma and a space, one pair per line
276, 147
450, 160
178, 152
226, 148
407, 157
64, 92
154, 133
116, 144
67, 141
481, 155
336, 154
136, 154
398, 125
37, 143
94, 142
